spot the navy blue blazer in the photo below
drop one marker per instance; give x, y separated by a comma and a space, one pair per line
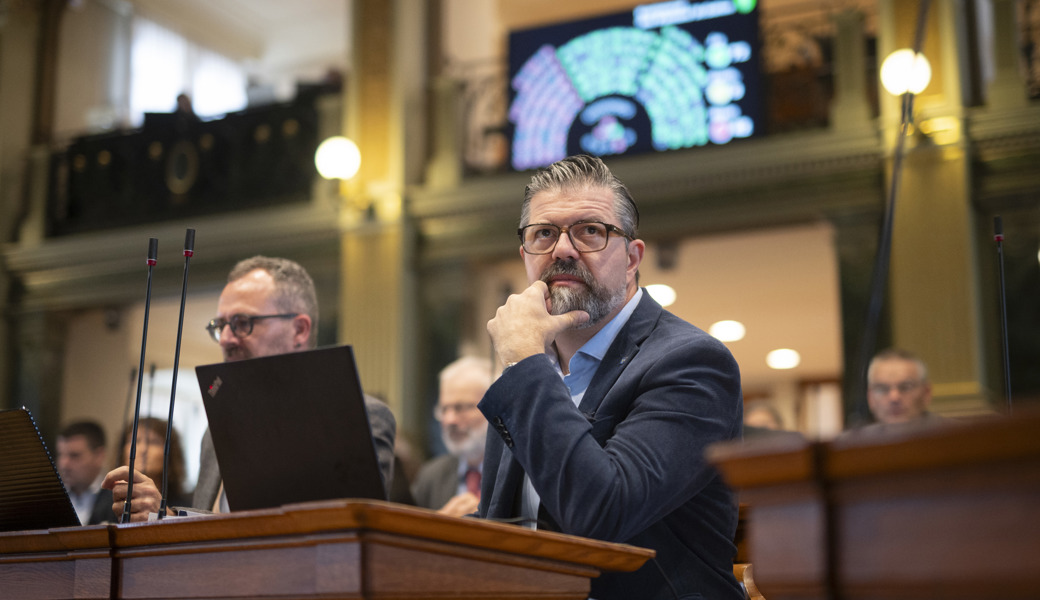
627, 465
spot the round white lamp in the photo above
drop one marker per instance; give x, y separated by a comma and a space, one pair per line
337, 158
902, 72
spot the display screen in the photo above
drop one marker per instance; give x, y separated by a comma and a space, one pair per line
665, 76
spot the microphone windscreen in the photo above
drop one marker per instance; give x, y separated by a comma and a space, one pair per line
189, 241
998, 225
153, 250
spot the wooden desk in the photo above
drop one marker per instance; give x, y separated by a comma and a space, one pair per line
72, 562
339, 549
952, 513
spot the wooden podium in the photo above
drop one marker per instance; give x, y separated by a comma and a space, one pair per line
949, 513
337, 549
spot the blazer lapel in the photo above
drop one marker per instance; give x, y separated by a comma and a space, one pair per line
620, 354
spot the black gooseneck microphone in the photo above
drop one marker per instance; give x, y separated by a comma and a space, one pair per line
151, 395
998, 237
189, 251
153, 253
129, 400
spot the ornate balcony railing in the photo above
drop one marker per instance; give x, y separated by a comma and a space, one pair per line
177, 167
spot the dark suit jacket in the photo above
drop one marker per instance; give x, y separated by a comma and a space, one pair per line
437, 482
380, 419
102, 512
628, 464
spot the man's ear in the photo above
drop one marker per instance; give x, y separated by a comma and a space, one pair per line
927, 395
301, 331
636, 248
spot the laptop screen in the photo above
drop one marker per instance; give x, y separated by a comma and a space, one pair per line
290, 428
32, 495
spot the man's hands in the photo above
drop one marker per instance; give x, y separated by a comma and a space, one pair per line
147, 497
523, 326
461, 505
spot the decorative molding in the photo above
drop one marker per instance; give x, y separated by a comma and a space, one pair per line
108, 267
751, 183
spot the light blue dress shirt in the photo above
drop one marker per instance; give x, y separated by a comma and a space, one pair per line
583, 366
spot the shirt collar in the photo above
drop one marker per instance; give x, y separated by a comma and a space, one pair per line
586, 360
597, 347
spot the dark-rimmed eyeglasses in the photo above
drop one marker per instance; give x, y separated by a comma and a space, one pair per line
585, 236
241, 325
443, 410
903, 387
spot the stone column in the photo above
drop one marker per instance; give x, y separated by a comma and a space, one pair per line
1007, 89
934, 277
850, 109
385, 116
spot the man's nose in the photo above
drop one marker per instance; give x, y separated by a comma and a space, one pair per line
450, 418
227, 336
565, 248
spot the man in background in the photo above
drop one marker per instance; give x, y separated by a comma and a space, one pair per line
899, 393
81, 459
450, 483
269, 306
762, 420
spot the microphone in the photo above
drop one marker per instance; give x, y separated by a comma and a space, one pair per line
129, 399
998, 237
189, 251
153, 252
151, 396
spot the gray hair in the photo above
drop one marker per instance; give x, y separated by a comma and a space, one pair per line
472, 366
899, 354
579, 172
294, 288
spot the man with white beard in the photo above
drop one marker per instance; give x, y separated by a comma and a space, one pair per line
450, 483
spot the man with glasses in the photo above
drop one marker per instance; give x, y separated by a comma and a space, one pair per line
898, 393
269, 306
607, 402
450, 483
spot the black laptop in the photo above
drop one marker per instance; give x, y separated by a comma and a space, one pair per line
32, 495
291, 428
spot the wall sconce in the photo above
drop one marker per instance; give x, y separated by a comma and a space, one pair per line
337, 158
902, 72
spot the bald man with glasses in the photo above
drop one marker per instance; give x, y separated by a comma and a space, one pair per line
899, 394
269, 306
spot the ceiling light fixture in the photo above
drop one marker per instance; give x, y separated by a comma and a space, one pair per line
783, 358
727, 331
664, 294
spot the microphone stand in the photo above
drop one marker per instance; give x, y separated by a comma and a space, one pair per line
129, 399
998, 237
151, 393
153, 252
189, 251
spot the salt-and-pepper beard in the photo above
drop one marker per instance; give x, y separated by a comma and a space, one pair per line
469, 449
594, 298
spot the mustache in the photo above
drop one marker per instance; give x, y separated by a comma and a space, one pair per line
566, 267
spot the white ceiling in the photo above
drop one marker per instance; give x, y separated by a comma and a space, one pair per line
271, 36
